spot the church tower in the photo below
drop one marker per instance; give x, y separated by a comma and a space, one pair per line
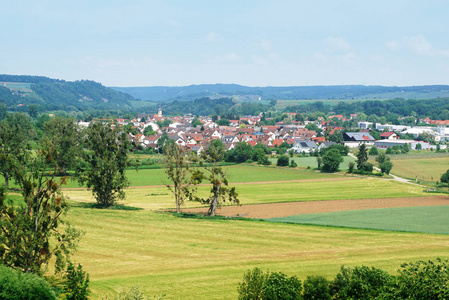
159, 112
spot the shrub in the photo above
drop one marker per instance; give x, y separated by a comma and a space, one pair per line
373, 151
77, 283
17, 285
360, 283
386, 167
445, 177
293, 164
351, 166
316, 288
280, 286
283, 161
421, 280
134, 293
366, 167
252, 285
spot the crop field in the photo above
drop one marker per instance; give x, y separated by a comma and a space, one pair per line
282, 104
430, 219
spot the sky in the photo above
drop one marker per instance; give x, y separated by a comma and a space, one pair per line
247, 42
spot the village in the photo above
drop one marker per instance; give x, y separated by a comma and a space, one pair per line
195, 133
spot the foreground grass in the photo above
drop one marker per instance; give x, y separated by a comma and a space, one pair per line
430, 219
205, 259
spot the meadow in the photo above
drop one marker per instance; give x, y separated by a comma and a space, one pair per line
186, 258
310, 161
423, 168
428, 219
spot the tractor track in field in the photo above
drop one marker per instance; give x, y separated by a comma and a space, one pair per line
285, 209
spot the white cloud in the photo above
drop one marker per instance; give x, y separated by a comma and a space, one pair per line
226, 58
337, 44
418, 44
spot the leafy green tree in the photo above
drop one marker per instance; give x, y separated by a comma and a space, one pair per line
149, 131
220, 191
280, 286
332, 160
33, 110
66, 137
107, 158
319, 161
223, 122
445, 177
35, 234
362, 157
293, 164
17, 285
16, 131
196, 122
317, 288
76, 285
373, 151
418, 147
386, 167
283, 161
351, 165
177, 168
405, 148
421, 280
252, 286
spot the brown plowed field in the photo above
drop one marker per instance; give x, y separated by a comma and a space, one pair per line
277, 210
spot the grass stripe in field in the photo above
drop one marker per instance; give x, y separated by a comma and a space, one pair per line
182, 257
430, 219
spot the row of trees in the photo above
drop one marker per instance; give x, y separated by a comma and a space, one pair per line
416, 280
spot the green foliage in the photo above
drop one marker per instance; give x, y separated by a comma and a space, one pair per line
269, 286
362, 156
107, 159
283, 161
421, 280
223, 122
317, 288
445, 177
34, 234
149, 131
252, 286
386, 167
332, 160
351, 166
360, 283
15, 285
373, 151
196, 122
16, 131
77, 283
344, 150
293, 164
281, 287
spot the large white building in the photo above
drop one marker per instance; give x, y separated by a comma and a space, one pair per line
384, 144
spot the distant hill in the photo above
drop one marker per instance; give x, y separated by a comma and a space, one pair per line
54, 94
245, 93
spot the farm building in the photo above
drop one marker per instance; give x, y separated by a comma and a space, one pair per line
384, 144
355, 139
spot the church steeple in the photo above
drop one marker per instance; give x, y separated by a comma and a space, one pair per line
159, 112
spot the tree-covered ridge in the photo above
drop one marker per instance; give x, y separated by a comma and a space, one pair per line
436, 109
167, 93
53, 94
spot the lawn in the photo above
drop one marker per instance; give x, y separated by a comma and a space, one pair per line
428, 219
205, 259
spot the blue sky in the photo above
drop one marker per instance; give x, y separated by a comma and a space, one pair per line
255, 43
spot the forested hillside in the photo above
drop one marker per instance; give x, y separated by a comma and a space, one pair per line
183, 93
53, 94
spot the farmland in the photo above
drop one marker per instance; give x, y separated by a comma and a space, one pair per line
180, 257
423, 168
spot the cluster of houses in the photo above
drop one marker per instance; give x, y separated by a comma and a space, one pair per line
247, 129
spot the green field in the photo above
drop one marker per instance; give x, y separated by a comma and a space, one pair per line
205, 259
428, 219
429, 169
282, 104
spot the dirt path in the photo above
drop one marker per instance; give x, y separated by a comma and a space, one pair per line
276, 210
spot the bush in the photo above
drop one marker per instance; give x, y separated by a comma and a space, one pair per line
16, 285
252, 285
351, 166
317, 288
283, 161
259, 285
332, 160
360, 283
366, 167
373, 151
293, 164
445, 177
386, 167
134, 293
280, 286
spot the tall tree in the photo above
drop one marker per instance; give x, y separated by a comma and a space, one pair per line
34, 234
214, 173
66, 137
16, 131
107, 159
332, 160
177, 168
362, 156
